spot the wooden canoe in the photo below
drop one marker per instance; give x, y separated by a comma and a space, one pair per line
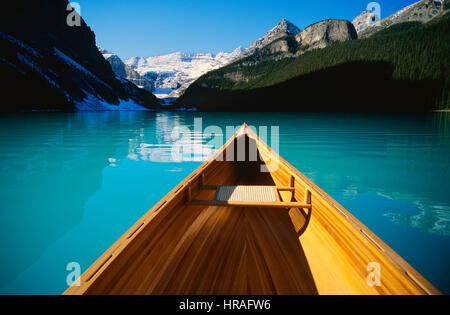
301, 242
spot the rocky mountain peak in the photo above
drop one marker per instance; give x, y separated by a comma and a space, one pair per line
422, 11
238, 51
365, 20
126, 72
105, 51
286, 27
282, 29
324, 33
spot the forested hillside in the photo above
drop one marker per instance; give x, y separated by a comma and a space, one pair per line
412, 73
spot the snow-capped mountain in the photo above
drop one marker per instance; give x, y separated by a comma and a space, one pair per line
126, 72
173, 73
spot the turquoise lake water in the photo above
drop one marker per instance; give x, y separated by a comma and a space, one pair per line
72, 184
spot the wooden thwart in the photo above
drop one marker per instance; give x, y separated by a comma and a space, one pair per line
212, 187
248, 196
249, 204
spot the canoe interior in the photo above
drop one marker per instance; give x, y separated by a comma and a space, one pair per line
180, 249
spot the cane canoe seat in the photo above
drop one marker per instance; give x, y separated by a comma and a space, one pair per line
249, 196
246, 194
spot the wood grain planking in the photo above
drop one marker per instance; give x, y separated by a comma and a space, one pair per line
204, 249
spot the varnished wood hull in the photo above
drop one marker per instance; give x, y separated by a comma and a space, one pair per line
177, 248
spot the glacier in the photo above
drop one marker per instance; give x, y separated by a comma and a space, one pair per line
172, 74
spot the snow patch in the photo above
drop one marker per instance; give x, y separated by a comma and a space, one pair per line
12, 65
36, 68
19, 43
93, 103
123, 81
76, 65
399, 13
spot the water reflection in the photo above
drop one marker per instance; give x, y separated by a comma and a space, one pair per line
441, 122
431, 217
402, 159
176, 141
49, 171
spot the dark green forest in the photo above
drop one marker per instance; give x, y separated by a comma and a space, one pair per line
412, 55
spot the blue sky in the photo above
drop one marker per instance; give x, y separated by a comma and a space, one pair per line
154, 27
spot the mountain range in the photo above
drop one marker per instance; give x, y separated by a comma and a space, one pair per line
171, 74
168, 76
397, 64
330, 65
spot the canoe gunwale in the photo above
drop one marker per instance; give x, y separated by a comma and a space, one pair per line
107, 258
416, 278
183, 190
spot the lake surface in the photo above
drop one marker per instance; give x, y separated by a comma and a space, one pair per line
72, 184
